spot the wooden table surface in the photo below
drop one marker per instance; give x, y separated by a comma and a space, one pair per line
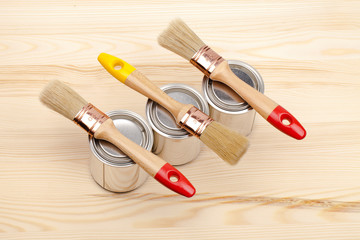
308, 53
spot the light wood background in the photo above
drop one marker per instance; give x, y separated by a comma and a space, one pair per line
308, 53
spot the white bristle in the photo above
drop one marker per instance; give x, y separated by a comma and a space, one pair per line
226, 143
180, 39
61, 98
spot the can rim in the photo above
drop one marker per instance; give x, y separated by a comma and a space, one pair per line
221, 106
126, 161
182, 134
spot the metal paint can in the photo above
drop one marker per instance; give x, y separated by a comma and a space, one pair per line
172, 143
226, 106
109, 166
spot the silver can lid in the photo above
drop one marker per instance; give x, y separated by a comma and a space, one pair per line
132, 126
162, 121
223, 98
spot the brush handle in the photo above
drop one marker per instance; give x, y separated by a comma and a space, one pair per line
162, 171
267, 108
140, 83
134, 79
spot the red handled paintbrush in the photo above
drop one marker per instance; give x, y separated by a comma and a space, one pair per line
180, 39
62, 99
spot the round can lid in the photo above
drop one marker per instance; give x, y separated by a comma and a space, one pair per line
162, 120
223, 98
132, 126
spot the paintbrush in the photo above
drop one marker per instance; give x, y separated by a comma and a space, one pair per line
180, 39
64, 100
228, 144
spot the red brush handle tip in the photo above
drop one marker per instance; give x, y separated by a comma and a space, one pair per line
175, 180
287, 123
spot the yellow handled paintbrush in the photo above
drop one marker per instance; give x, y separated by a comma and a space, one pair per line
228, 144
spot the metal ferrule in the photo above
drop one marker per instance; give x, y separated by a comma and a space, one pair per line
195, 121
90, 118
206, 60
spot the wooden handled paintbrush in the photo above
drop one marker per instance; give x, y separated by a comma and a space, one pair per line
180, 39
228, 144
64, 100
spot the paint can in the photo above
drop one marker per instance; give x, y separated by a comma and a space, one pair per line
109, 166
226, 106
172, 143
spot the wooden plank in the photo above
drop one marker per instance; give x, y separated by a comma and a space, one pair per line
309, 56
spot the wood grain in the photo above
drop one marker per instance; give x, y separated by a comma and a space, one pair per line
308, 53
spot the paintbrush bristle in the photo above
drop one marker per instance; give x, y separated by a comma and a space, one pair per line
180, 39
226, 143
61, 98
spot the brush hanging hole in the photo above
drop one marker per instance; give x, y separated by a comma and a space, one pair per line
117, 67
286, 121
174, 178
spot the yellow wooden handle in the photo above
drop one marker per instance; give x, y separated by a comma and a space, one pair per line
140, 83
110, 63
